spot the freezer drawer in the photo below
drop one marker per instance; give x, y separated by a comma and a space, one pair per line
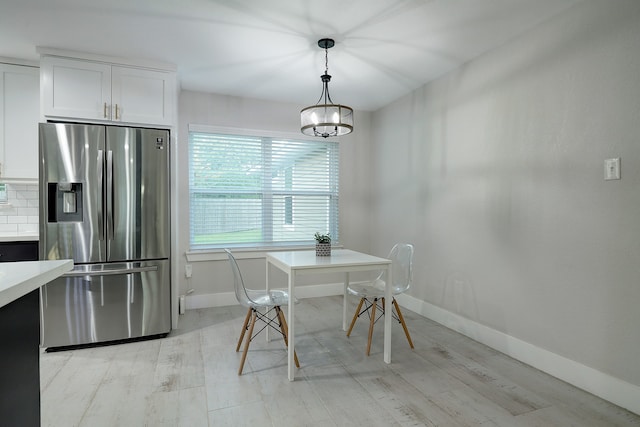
106, 302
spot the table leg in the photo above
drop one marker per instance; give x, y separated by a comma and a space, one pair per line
387, 318
292, 325
344, 302
267, 335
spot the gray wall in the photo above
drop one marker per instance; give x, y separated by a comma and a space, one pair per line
495, 172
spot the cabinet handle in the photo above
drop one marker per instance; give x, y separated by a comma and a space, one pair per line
104, 110
116, 111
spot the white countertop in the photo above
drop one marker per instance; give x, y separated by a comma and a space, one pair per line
19, 278
18, 237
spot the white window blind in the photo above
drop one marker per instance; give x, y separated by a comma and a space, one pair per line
261, 191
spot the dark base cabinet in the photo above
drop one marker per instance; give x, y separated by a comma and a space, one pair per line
20, 361
20, 348
18, 251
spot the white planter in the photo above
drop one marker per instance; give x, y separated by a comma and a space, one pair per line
323, 249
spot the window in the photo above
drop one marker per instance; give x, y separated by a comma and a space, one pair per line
254, 191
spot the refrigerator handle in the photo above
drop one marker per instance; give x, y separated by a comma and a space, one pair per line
101, 199
114, 272
109, 195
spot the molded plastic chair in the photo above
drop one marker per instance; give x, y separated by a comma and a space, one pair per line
255, 300
372, 292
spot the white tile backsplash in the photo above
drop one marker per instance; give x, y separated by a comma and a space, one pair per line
21, 212
28, 211
8, 228
17, 219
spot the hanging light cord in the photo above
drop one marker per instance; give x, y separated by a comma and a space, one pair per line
325, 80
326, 60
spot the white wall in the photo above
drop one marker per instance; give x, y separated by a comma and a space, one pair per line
212, 281
495, 172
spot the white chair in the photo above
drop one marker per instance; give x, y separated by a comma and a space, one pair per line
255, 300
372, 293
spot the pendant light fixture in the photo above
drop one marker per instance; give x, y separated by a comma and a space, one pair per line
326, 119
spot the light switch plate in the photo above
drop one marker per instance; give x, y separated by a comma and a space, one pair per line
612, 169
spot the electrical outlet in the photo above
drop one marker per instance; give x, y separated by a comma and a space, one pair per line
188, 271
612, 169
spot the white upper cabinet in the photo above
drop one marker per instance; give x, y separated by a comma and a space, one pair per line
97, 91
19, 116
78, 89
142, 96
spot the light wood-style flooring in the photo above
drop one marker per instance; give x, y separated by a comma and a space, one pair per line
190, 379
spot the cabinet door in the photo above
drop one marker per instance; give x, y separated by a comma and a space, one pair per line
18, 251
142, 96
19, 115
77, 89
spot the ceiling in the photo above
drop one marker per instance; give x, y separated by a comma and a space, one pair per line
267, 49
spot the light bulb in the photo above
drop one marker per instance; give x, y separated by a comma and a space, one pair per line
336, 117
314, 118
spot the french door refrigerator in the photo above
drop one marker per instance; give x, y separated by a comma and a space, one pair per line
104, 202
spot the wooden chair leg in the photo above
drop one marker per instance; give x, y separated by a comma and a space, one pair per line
248, 341
404, 325
373, 321
355, 316
244, 329
285, 333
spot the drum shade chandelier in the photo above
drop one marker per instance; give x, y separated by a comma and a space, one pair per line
326, 119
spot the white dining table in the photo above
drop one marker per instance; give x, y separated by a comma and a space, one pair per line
298, 263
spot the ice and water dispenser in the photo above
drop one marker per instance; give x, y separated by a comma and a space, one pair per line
65, 202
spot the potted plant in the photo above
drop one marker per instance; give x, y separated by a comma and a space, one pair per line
323, 244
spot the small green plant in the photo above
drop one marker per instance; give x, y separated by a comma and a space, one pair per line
323, 238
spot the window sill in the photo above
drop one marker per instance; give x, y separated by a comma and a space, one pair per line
243, 253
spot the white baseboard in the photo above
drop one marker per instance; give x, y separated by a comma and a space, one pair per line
605, 386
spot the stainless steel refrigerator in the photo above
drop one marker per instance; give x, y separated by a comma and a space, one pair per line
104, 202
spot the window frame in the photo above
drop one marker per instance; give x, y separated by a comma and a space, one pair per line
334, 196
